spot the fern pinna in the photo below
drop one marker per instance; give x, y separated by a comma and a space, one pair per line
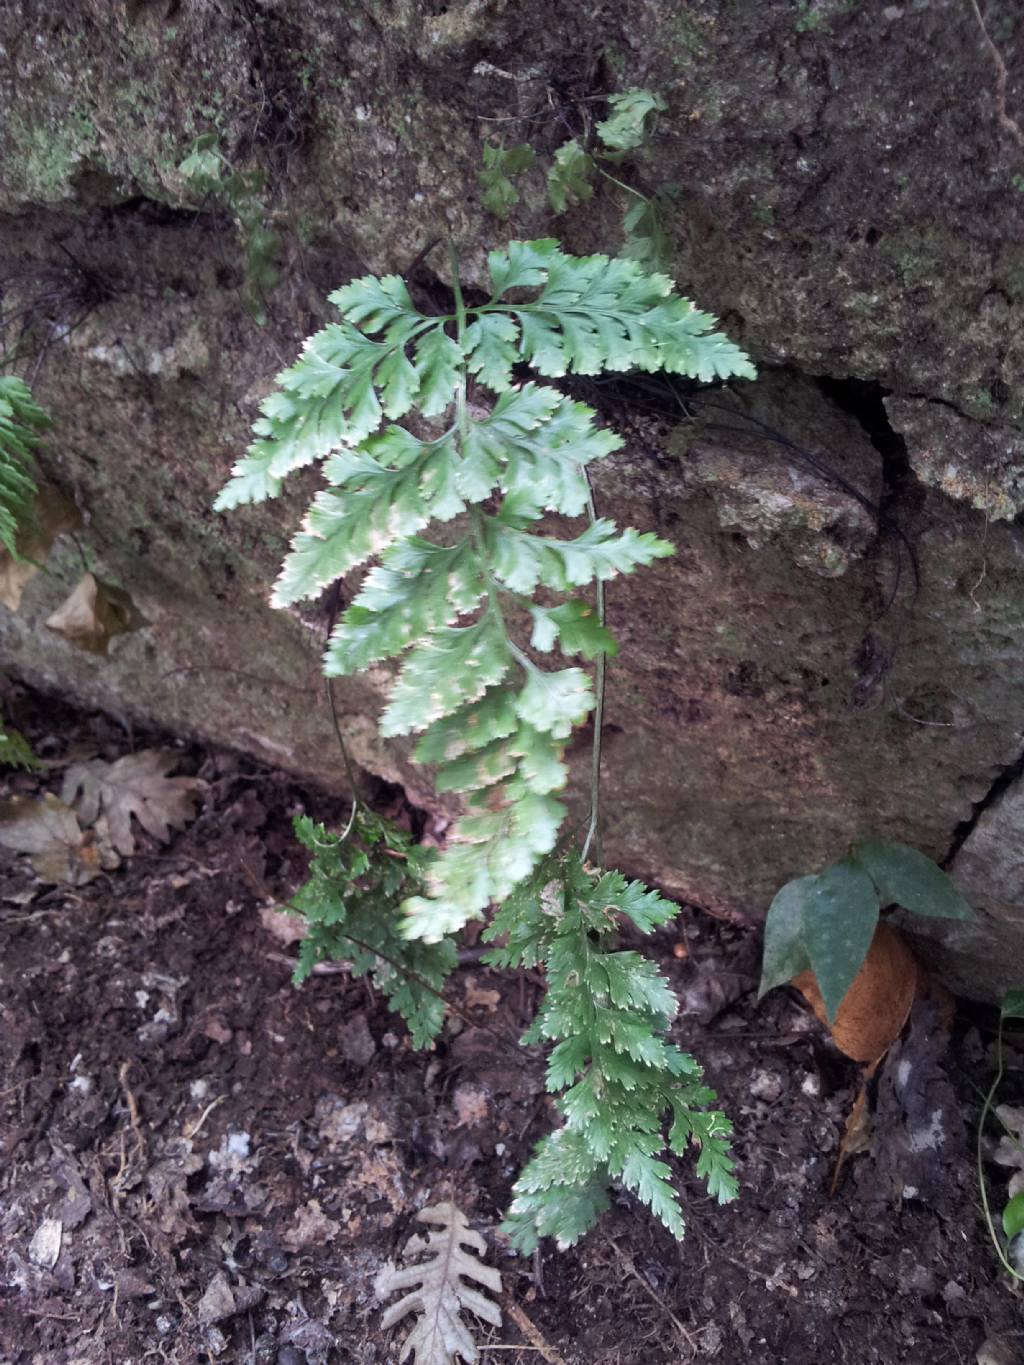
490, 716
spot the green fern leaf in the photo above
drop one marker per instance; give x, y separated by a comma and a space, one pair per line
534, 444
491, 348
416, 588
501, 163
577, 628
628, 124
16, 752
570, 177
349, 903
22, 422
644, 237
370, 508
522, 561
453, 665
594, 313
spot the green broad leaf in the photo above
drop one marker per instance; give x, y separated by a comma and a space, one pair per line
839, 918
645, 239
906, 877
555, 702
438, 358
471, 727
576, 626
416, 588
522, 560
374, 507
534, 443
1013, 1005
491, 347
1013, 1217
570, 177
785, 954
450, 667
628, 124
500, 164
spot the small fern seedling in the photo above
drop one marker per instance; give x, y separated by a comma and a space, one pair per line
348, 902
492, 719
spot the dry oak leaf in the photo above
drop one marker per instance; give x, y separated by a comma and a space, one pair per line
48, 832
136, 785
878, 1003
94, 613
438, 1292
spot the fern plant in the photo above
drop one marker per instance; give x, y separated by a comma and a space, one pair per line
490, 716
22, 422
576, 165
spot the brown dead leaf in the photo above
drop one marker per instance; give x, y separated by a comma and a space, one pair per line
877, 1005
857, 1129
478, 997
94, 613
137, 785
55, 514
48, 832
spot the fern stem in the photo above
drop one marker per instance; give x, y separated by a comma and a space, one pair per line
594, 828
621, 183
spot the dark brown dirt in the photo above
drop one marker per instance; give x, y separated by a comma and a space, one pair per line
232, 1159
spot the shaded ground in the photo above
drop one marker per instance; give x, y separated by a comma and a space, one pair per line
232, 1160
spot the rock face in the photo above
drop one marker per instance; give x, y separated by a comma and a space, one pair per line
794, 676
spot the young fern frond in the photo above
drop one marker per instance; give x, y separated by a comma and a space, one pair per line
491, 719
619, 1080
22, 422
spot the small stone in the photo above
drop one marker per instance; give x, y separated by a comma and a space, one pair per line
44, 1247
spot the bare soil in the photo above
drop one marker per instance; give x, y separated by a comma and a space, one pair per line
231, 1159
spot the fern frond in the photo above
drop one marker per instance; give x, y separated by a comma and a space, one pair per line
500, 164
22, 422
627, 126
607, 1012
350, 905
15, 751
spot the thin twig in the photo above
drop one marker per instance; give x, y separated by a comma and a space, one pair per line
1008, 124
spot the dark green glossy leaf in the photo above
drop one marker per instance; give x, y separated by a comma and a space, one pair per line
785, 954
908, 878
840, 914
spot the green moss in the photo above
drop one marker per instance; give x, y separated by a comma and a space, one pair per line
41, 158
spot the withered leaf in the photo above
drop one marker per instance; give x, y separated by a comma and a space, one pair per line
47, 830
878, 1003
137, 785
94, 613
438, 1292
54, 514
